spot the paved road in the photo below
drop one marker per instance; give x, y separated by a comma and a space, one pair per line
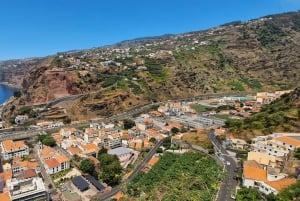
135, 172
229, 183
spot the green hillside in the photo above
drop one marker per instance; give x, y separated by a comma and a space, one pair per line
282, 115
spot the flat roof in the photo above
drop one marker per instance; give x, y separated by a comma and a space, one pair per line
119, 151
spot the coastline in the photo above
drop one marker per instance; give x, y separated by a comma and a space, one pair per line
11, 85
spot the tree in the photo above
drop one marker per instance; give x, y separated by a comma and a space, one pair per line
167, 142
290, 193
102, 151
67, 120
47, 140
159, 150
174, 130
248, 194
128, 123
152, 140
110, 169
297, 153
17, 94
87, 166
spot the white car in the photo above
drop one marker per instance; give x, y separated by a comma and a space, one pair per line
227, 163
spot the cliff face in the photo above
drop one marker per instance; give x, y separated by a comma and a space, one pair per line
43, 84
252, 56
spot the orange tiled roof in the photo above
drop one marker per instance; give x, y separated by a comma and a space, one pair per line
177, 137
32, 165
61, 158
116, 135
90, 131
119, 195
70, 129
11, 145
47, 152
6, 175
17, 159
73, 150
155, 113
289, 141
5, 196
153, 161
148, 121
282, 183
138, 145
51, 163
252, 170
29, 173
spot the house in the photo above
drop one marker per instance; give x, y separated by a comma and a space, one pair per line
253, 173
72, 150
176, 140
90, 134
11, 149
276, 186
236, 143
144, 124
19, 165
263, 159
53, 161
89, 149
172, 124
66, 132
269, 146
289, 143
111, 141
21, 119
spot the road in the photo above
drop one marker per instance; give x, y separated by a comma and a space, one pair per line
229, 183
135, 172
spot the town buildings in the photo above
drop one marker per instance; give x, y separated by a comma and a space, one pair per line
267, 157
11, 149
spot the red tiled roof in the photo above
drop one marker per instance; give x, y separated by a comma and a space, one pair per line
52, 163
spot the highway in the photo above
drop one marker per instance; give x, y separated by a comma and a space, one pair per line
228, 186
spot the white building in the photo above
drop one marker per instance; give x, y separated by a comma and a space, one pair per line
11, 149
26, 189
124, 154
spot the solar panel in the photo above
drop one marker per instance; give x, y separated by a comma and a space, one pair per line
80, 183
96, 183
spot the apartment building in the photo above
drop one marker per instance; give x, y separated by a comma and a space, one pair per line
11, 149
54, 162
24, 189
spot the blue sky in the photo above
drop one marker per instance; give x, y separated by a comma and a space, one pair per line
42, 27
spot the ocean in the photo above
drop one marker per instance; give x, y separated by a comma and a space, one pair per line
5, 93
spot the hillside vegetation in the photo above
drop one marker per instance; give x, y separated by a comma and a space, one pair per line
191, 176
257, 55
282, 115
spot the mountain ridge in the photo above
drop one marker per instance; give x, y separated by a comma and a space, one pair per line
250, 56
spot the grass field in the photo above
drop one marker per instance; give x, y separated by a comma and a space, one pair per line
199, 138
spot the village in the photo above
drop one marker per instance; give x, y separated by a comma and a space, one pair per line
53, 161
